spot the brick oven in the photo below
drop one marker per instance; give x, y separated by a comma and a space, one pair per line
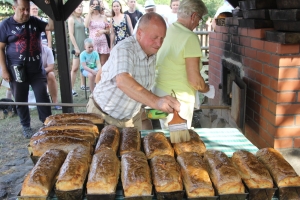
260, 45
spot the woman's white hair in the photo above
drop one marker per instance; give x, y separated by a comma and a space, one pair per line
188, 7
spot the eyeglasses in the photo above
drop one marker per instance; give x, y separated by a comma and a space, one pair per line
200, 17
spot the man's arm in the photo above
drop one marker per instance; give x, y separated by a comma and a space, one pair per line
5, 74
49, 68
134, 90
50, 25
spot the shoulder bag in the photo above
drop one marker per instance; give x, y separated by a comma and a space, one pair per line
127, 27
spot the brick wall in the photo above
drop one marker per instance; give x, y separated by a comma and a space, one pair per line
272, 76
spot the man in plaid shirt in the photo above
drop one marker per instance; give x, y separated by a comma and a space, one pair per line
128, 76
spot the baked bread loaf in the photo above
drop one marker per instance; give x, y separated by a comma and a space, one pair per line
253, 172
66, 144
95, 118
135, 174
166, 174
69, 121
282, 172
74, 170
109, 138
88, 136
194, 145
156, 143
130, 140
40, 180
222, 173
104, 173
78, 126
195, 176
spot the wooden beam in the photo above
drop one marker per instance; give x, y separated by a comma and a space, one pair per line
46, 8
69, 7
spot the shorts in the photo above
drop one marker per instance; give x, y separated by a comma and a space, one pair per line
86, 73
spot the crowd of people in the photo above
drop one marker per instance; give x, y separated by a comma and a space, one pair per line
119, 56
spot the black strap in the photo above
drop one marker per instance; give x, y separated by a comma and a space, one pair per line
127, 27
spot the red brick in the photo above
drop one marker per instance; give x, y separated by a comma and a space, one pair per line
245, 41
283, 143
274, 84
283, 132
226, 38
253, 105
270, 117
288, 109
212, 35
249, 73
243, 31
284, 97
288, 85
219, 36
254, 86
263, 56
269, 93
298, 120
271, 47
254, 138
254, 126
261, 100
284, 120
264, 80
267, 137
285, 61
288, 48
257, 33
288, 73
297, 143
222, 29
250, 52
246, 61
260, 121
256, 65
298, 97
270, 70
249, 113
257, 44
250, 93
272, 106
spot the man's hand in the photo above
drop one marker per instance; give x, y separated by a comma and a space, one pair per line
6, 76
168, 104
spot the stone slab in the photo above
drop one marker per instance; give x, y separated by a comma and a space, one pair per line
287, 26
237, 13
255, 23
257, 4
256, 14
232, 21
288, 4
283, 37
289, 15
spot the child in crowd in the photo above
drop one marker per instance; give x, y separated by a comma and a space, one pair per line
89, 62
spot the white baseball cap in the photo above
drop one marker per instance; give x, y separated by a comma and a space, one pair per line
149, 4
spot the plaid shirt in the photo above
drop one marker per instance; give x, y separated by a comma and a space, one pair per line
126, 57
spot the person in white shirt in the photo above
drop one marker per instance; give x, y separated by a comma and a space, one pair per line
172, 16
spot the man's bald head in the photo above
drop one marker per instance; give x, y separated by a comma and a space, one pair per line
149, 18
151, 32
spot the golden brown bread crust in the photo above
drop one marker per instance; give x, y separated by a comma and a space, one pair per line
104, 173
156, 143
40, 180
88, 136
222, 173
130, 140
135, 174
194, 145
95, 118
69, 121
66, 144
282, 172
194, 174
166, 174
81, 126
109, 138
74, 170
253, 172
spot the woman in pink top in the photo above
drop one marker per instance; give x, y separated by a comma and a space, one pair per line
98, 26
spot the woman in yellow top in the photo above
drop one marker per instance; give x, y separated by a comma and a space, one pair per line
179, 60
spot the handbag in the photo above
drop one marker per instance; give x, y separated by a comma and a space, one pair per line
127, 27
18, 70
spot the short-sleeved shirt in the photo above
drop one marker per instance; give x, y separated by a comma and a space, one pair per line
15, 36
134, 17
180, 43
126, 57
47, 56
90, 59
